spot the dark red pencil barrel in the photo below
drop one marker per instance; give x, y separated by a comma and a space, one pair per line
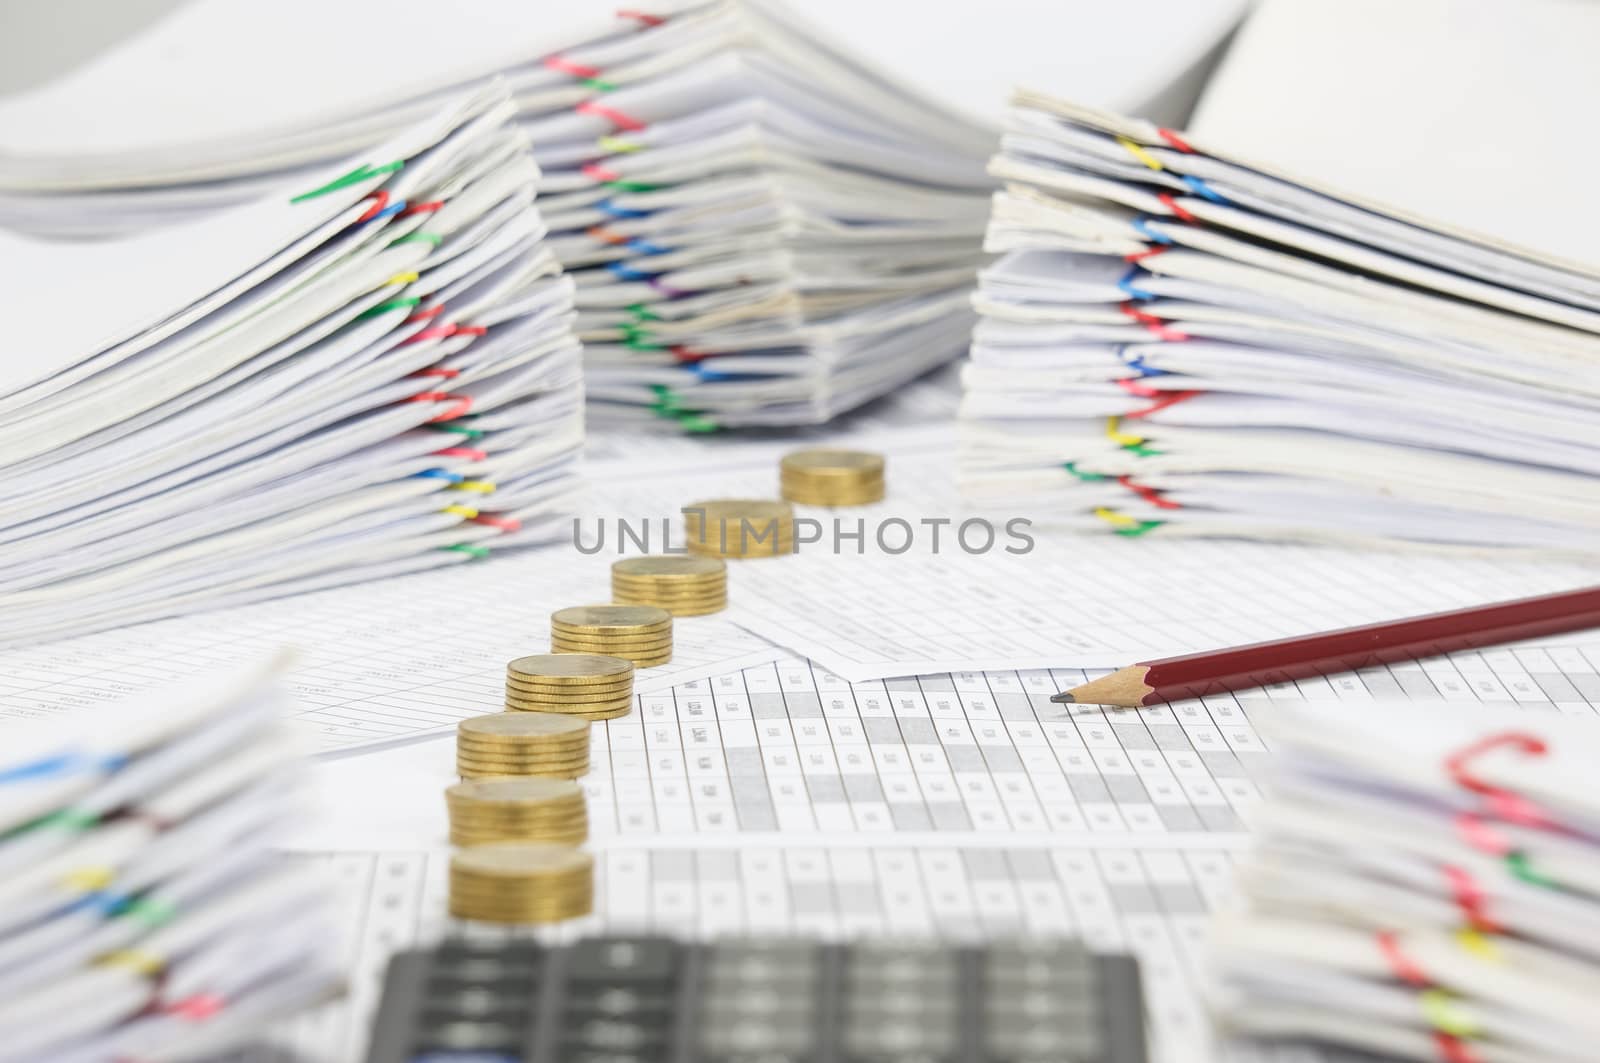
1265, 663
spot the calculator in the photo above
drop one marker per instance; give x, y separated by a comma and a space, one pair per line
657, 1000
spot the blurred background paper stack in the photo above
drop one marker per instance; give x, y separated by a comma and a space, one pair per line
370, 371
1383, 327
765, 227
1425, 885
144, 915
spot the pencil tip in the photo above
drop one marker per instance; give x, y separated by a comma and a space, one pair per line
1063, 698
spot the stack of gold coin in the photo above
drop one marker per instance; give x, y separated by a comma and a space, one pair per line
590, 685
522, 743
638, 633
521, 882
683, 586
739, 527
832, 477
517, 810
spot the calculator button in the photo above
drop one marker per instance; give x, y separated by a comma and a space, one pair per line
476, 1036
754, 1038
623, 960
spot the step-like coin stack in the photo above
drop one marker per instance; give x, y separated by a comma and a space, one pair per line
638, 633
589, 685
517, 810
522, 744
832, 477
683, 586
521, 882
739, 528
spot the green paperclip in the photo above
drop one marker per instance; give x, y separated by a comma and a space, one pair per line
409, 302
641, 312
1517, 861
451, 426
1144, 450
472, 550
1086, 477
631, 186
70, 818
1139, 529
150, 911
356, 176
694, 422
597, 84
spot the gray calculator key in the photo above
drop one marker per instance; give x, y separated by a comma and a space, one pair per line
621, 959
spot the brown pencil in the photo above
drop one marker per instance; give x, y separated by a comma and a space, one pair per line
1263, 663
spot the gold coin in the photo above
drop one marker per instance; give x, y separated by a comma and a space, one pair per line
672, 568
628, 651
715, 606
505, 726
616, 638
671, 590
473, 756
573, 708
655, 657
524, 749
569, 669
502, 773
521, 861
823, 461
567, 697
609, 619
609, 713
530, 792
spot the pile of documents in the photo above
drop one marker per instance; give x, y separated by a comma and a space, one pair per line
142, 913
1425, 885
1181, 342
763, 229
368, 373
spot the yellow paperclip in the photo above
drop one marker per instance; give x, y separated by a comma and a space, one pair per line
1439, 1008
617, 144
465, 512
132, 959
89, 879
1112, 517
1140, 154
1479, 944
1116, 435
481, 487
402, 278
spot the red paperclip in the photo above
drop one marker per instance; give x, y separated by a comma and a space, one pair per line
567, 66
1503, 803
435, 332
1172, 138
649, 20
610, 114
1482, 837
505, 524
1149, 494
1403, 966
1173, 205
438, 371
595, 171
604, 235
1132, 386
1149, 252
1168, 398
1470, 899
1150, 321
196, 1008
423, 315
472, 330
686, 354
1453, 1049
427, 207
380, 199
470, 453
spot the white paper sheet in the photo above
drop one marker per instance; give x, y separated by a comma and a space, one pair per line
1094, 602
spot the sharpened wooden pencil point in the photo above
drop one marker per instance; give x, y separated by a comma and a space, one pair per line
1125, 687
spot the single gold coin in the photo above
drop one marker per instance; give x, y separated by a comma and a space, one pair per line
569, 697
616, 638
572, 708
610, 712
504, 725
827, 462
535, 792
675, 568
609, 619
521, 862
574, 669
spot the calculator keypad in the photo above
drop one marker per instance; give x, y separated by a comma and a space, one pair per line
654, 1000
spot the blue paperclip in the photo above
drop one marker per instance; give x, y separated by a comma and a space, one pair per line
629, 273
644, 247
1137, 363
605, 206
1127, 285
438, 474
1142, 227
1203, 190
